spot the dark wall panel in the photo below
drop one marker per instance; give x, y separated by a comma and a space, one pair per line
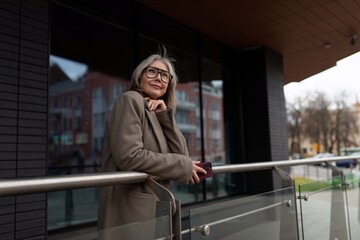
24, 51
9, 56
256, 87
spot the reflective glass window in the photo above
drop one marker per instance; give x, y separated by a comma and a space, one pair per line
213, 125
90, 65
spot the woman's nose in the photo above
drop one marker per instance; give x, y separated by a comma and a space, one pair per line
158, 76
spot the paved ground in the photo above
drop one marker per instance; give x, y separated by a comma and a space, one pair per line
315, 213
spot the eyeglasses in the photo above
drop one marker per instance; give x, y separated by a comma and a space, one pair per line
152, 72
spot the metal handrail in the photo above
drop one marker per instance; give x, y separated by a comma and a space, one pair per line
55, 183
245, 167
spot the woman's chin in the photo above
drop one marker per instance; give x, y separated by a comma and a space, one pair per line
153, 95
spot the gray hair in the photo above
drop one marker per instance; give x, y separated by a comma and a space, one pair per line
169, 97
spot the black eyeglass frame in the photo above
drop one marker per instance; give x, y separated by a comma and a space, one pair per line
159, 71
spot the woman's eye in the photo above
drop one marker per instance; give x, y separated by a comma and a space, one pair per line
152, 71
164, 76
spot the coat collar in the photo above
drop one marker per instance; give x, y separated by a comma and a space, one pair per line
151, 115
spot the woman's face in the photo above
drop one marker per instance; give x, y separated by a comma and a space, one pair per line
154, 87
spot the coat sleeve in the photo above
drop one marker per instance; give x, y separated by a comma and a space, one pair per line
127, 147
175, 139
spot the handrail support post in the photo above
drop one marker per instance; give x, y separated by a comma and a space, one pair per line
286, 226
167, 206
338, 220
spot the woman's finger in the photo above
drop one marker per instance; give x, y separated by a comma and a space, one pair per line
156, 105
151, 104
191, 181
200, 169
196, 178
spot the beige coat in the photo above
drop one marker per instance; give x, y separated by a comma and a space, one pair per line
137, 139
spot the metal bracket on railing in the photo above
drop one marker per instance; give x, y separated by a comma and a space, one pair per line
305, 197
204, 230
357, 160
284, 175
162, 193
334, 168
340, 172
167, 205
338, 228
288, 212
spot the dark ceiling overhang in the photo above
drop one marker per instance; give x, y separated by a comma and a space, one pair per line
311, 35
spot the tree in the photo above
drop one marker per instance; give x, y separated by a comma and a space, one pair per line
318, 120
294, 126
347, 130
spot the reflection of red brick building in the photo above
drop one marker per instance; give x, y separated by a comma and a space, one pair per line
188, 119
65, 114
103, 91
78, 110
213, 123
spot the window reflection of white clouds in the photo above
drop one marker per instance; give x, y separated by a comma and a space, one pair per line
74, 70
217, 83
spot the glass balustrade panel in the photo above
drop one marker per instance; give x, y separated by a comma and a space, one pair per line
79, 207
353, 203
270, 215
158, 228
322, 209
72, 207
314, 172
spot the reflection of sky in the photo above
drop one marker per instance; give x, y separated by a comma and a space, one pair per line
217, 83
73, 69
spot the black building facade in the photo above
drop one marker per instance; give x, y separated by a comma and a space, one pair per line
108, 39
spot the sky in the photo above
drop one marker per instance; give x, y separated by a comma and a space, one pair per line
345, 76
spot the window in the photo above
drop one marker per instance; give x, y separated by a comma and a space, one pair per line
215, 105
78, 102
213, 130
116, 91
215, 124
98, 71
182, 117
82, 74
181, 96
97, 93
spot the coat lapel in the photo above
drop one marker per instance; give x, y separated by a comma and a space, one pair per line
157, 130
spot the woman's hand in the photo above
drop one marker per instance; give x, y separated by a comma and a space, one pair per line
194, 177
156, 105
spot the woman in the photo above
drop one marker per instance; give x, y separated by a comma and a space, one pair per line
141, 135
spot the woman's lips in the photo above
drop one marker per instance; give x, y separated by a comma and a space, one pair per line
155, 86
